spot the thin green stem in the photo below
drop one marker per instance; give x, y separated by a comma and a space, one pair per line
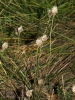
63, 87
51, 34
37, 64
38, 55
51, 30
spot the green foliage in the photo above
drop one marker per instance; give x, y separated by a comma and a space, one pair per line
53, 59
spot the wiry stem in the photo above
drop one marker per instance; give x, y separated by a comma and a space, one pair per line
18, 40
51, 34
63, 87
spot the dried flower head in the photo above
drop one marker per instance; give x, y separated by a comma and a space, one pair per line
39, 42
19, 30
16, 31
44, 38
54, 10
73, 88
29, 93
4, 45
0, 63
40, 81
49, 12
23, 52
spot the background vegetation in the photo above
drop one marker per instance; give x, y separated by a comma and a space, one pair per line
22, 65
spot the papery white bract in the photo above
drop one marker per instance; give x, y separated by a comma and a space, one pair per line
73, 88
54, 10
0, 63
39, 42
40, 81
49, 12
16, 32
4, 45
20, 29
44, 38
29, 93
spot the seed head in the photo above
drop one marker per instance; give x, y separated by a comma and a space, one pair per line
29, 93
54, 10
49, 12
16, 31
73, 88
40, 81
4, 45
20, 29
39, 42
0, 63
44, 38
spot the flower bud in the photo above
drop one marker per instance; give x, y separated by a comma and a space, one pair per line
4, 45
